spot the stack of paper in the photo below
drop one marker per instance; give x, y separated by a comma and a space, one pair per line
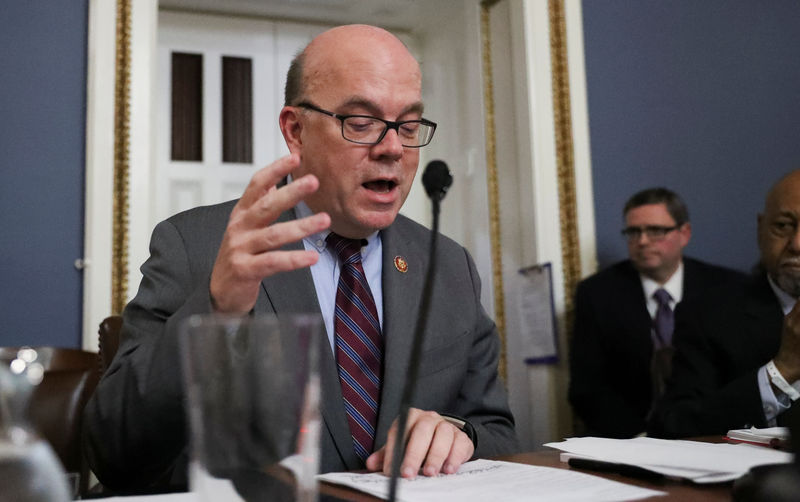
777, 437
697, 461
482, 480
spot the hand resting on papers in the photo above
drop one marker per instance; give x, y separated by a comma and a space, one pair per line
434, 444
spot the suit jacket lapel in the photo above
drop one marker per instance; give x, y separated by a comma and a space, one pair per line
401, 301
294, 291
690, 279
764, 316
695, 279
639, 315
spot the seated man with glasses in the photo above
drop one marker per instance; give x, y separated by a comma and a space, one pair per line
329, 240
621, 344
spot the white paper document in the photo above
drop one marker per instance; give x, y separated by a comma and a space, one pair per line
482, 480
697, 461
537, 316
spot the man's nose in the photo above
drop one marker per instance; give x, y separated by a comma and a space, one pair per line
794, 241
390, 145
643, 238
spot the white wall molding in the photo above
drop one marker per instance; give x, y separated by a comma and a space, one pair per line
99, 168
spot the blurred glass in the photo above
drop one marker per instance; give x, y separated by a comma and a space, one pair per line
253, 403
29, 469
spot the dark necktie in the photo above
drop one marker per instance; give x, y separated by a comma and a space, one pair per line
664, 321
359, 345
663, 326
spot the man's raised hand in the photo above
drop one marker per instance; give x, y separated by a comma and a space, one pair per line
250, 249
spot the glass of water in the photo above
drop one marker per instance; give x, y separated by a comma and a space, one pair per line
253, 394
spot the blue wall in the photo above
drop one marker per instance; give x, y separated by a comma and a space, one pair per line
702, 97
699, 96
42, 152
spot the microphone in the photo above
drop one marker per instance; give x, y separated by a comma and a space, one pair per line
436, 179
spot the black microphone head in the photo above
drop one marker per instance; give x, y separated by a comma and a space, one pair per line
436, 179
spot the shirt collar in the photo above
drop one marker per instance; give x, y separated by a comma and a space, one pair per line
317, 240
674, 285
786, 300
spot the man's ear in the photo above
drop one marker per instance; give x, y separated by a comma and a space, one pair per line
291, 127
686, 233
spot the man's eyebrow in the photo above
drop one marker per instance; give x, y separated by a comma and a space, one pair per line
373, 108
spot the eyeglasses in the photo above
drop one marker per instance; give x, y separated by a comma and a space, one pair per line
653, 232
367, 130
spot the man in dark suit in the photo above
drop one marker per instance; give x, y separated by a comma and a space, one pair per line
737, 360
353, 123
618, 359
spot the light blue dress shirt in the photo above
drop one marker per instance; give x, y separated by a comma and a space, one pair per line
326, 271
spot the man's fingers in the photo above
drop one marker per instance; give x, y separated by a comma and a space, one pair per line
269, 206
266, 178
419, 442
434, 444
375, 461
277, 235
388, 449
440, 447
275, 262
460, 452
273, 203
250, 249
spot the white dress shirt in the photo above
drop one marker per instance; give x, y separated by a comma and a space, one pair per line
673, 286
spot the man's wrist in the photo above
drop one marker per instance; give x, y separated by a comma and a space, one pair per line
464, 426
788, 369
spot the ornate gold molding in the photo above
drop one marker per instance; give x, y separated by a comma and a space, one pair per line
562, 116
492, 184
570, 246
119, 254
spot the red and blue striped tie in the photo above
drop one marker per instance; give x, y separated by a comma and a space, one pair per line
359, 345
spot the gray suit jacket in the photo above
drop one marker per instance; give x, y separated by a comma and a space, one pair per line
135, 429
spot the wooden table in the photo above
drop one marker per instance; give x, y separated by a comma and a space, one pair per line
676, 490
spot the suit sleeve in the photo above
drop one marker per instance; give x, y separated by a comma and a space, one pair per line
134, 425
595, 400
483, 400
705, 395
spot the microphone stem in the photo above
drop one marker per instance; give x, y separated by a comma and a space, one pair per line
416, 350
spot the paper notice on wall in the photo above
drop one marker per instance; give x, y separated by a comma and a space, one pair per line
538, 320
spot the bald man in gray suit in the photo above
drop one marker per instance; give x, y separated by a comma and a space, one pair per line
354, 137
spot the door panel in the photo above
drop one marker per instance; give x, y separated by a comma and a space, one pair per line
269, 48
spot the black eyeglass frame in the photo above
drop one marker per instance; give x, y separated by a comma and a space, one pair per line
389, 124
653, 232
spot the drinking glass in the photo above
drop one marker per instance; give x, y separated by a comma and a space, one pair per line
253, 394
29, 469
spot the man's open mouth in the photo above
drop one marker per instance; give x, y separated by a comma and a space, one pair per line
381, 186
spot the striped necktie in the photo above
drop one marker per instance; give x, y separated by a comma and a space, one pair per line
359, 345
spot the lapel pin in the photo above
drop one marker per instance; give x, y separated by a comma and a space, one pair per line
400, 264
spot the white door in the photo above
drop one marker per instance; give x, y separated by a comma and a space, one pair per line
257, 50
